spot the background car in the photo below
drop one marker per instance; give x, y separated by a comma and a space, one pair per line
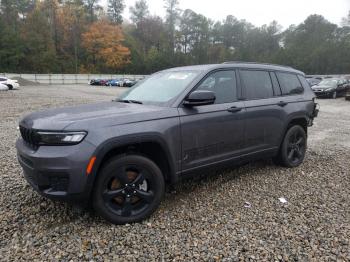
95, 82
3, 87
313, 81
98, 82
114, 82
11, 84
331, 87
129, 83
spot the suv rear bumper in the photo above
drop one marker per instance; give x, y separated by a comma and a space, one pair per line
57, 172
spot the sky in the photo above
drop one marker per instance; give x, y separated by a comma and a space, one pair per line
258, 12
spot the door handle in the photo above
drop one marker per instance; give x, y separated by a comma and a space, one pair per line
234, 109
282, 103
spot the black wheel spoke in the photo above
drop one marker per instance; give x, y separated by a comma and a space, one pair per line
127, 207
298, 153
110, 194
147, 196
138, 180
291, 154
299, 141
123, 178
295, 137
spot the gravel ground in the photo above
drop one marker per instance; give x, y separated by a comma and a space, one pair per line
202, 219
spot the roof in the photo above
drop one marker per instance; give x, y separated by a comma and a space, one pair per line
237, 64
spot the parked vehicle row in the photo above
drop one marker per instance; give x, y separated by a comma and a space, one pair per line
331, 87
123, 82
11, 84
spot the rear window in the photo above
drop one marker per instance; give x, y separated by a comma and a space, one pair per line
303, 82
289, 83
257, 84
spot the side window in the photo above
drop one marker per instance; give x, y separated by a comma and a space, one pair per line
2, 79
303, 82
276, 85
223, 84
257, 84
289, 83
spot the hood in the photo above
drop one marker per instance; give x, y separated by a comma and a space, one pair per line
84, 117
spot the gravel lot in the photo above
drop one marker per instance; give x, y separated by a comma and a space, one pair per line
202, 219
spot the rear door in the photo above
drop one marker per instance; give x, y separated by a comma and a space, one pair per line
213, 133
265, 110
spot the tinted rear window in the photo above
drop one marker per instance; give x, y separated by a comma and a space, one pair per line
289, 83
257, 84
304, 82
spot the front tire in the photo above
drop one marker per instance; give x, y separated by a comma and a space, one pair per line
128, 189
334, 95
10, 87
293, 148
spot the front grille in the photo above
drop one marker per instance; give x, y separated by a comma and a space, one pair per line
30, 136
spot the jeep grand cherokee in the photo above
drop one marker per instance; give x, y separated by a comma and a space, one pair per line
120, 155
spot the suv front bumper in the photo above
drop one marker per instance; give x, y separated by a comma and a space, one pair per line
57, 172
324, 93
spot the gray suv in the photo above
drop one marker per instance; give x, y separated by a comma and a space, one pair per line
120, 155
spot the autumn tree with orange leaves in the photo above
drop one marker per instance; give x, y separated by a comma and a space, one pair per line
104, 43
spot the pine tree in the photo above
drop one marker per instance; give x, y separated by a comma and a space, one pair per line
115, 11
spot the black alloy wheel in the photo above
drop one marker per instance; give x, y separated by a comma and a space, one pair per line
128, 189
294, 146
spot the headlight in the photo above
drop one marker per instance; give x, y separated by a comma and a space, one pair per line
329, 89
60, 138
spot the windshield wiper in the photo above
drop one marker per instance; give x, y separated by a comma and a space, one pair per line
130, 101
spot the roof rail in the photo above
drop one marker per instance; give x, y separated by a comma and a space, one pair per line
256, 63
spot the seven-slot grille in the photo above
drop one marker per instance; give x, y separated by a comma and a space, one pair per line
29, 136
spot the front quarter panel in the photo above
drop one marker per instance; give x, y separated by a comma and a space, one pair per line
164, 130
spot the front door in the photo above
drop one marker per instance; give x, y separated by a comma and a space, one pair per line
213, 133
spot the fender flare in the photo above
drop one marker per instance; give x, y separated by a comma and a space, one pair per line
110, 144
285, 128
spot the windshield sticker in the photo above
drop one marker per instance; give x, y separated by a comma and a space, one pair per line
179, 76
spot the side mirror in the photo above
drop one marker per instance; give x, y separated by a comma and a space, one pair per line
200, 98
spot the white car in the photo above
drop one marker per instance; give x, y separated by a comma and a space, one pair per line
12, 84
3, 87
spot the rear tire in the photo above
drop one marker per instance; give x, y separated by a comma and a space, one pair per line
128, 189
293, 148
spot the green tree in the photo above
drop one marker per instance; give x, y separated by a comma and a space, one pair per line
92, 6
115, 11
39, 47
172, 14
139, 11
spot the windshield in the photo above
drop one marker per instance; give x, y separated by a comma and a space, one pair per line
328, 82
161, 87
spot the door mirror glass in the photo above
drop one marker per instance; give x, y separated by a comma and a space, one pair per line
200, 98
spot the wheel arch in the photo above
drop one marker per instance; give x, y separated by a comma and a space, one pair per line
301, 121
151, 146
296, 120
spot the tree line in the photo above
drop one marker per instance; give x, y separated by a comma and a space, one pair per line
80, 36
